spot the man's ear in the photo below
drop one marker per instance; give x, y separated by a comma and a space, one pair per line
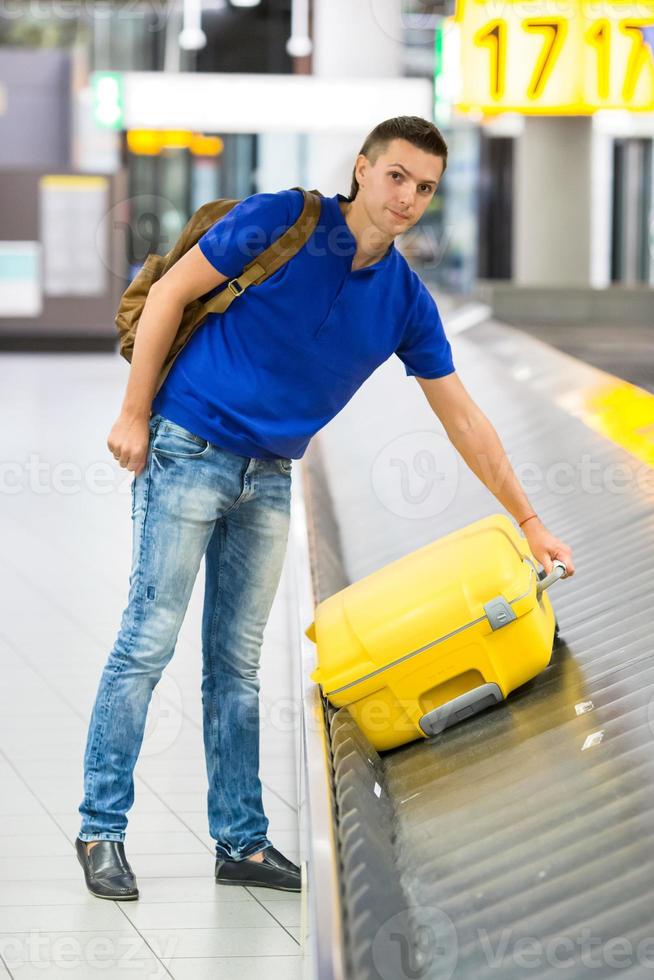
361, 167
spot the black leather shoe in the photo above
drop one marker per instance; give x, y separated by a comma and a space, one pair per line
275, 871
107, 871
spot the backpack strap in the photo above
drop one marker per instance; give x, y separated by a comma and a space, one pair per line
270, 260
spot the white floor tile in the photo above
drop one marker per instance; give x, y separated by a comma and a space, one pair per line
180, 889
238, 968
31, 868
38, 845
268, 896
173, 865
184, 842
54, 949
56, 918
36, 823
94, 965
200, 915
260, 941
286, 912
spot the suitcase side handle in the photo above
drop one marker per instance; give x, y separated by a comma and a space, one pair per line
559, 570
459, 708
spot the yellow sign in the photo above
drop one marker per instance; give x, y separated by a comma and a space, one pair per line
556, 56
150, 142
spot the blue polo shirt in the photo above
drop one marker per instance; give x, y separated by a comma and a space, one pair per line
263, 377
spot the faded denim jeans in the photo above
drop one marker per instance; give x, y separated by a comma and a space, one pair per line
193, 499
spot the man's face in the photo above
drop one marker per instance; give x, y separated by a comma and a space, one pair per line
398, 187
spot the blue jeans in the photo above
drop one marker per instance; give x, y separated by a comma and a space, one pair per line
193, 499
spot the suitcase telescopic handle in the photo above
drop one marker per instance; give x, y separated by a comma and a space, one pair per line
558, 571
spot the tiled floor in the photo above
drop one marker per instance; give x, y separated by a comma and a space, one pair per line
65, 536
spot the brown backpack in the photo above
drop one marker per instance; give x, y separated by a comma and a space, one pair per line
155, 266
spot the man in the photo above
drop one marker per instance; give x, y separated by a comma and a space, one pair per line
213, 464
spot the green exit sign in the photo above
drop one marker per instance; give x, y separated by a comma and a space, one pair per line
108, 99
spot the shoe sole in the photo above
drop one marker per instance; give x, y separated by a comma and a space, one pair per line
111, 898
256, 884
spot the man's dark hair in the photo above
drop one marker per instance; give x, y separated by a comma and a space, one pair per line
413, 129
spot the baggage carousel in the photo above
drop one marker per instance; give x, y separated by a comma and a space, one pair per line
518, 843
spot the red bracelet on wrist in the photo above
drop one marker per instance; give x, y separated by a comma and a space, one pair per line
527, 519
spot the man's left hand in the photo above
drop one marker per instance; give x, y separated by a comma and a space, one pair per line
545, 547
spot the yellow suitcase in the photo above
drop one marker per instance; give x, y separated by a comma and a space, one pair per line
437, 635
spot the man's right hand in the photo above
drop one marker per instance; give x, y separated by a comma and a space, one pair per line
128, 441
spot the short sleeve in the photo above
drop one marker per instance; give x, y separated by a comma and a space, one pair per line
424, 349
248, 229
